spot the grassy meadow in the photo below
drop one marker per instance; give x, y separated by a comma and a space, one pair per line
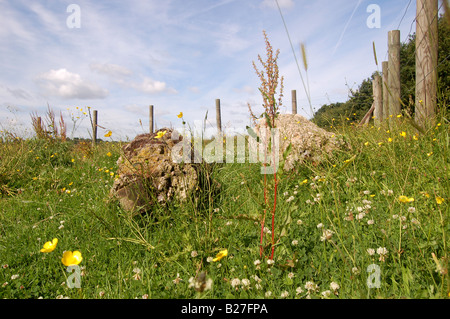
370, 221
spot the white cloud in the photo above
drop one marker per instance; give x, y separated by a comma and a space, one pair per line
67, 85
112, 70
151, 86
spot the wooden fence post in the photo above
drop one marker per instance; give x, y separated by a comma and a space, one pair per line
150, 117
426, 61
394, 72
218, 116
294, 102
385, 89
377, 100
94, 127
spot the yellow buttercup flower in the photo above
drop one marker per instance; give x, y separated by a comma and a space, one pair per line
403, 134
108, 154
71, 258
108, 134
405, 199
425, 194
439, 200
180, 115
304, 182
160, 134
221, 254
50, 246
389, 140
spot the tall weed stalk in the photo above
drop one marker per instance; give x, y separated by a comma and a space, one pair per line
270, 79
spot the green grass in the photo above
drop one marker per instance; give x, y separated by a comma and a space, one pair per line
127, 257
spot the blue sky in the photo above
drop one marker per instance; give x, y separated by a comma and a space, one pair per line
181, 55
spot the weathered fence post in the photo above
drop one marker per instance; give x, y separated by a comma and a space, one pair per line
377, 100
294, 102
426, 61
218, 116
150, 117
394, 72
94, 128
385, 89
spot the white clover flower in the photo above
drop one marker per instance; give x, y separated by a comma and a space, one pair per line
382, 251
319, 225
299, 222
257, 262
258, 286
371, 251
136, 270
395, 216
194, 253
360, 216
359, 209
334, 286
209, 259
370, 222
299, 290
311, 286
284, 294
290, 199
294, 242
14, 277
326, 293
411, 210
355, 270
366, 192
326, 235
245, 282
291, 275
268, 294
235, 282
270, 261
